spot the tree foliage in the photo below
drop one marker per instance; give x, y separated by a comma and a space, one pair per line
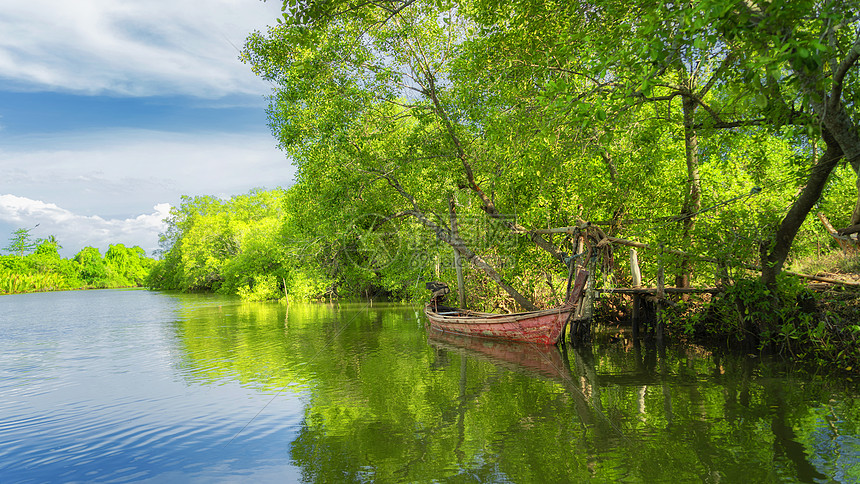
46, 270
424, 128
21, 242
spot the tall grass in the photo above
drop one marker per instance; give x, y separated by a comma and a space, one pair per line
14, 283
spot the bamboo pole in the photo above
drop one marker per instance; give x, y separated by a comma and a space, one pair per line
461, 288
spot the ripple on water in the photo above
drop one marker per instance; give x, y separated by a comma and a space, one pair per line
97, 386
139, 433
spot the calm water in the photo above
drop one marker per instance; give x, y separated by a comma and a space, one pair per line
115, 386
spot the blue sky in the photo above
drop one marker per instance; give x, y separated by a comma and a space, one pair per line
111, 110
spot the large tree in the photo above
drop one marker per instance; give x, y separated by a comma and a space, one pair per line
366, 99
537, 108
733, 65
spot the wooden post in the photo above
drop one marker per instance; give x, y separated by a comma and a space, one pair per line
661, 294
461, 289
634, 268
637, 282
635, 316
583, 309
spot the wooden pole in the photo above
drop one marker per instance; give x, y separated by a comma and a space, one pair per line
826, 223
461, 289
661, 294
580, 265
637, 282
583, 309
635, 273
845, 243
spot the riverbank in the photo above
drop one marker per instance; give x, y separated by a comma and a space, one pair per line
812, 323
72, 289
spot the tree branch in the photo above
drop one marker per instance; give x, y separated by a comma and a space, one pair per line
841, 72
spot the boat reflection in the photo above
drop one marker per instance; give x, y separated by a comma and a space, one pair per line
541, 360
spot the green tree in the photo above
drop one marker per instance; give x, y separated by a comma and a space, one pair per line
797, 53
127, 266
47, 260
762, 67
234, 246
92, 267
366, 104
21, 242
417, 117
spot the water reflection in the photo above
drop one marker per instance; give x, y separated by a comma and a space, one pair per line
384, 400
217, 389
471, 408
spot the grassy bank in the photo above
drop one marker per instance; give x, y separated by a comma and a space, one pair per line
810, 322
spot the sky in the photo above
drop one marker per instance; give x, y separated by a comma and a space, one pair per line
112, 110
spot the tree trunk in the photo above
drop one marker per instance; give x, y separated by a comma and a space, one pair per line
840, 125
773, 257
693, 197
830, 110
855, 215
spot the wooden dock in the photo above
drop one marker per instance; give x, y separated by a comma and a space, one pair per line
666, 290
649, 302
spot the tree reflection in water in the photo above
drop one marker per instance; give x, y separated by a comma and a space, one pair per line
387, 401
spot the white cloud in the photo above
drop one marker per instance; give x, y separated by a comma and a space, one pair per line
120, 172
97, 187
139, 48
75, 231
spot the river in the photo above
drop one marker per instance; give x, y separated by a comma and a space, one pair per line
133, 385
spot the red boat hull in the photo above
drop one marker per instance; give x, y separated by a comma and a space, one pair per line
539, 327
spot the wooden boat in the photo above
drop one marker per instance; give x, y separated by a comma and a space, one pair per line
540, 327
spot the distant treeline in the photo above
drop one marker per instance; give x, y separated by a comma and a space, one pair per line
263, 245
39, 267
